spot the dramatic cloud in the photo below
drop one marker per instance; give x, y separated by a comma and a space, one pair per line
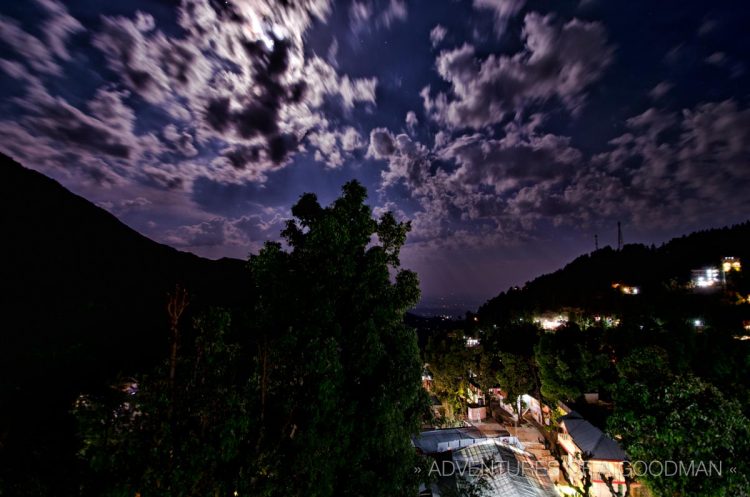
238, 78
559, 60
150, 63
407, 160
478, 178
333, 147
706, 166
199, 122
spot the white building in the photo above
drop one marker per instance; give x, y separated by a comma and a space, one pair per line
706, 278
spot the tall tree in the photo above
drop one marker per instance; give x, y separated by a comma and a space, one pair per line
318, 397
339, 372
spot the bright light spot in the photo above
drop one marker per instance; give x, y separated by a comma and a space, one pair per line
627, 290
550, 323
698, 323
566, 490
263, 32
730, 264
706, 278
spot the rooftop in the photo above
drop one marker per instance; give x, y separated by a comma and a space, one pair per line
434, 441
493, 468
591, 440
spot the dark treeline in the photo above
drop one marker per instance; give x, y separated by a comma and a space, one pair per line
131, 368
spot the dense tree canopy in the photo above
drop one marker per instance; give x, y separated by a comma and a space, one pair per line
316, 393
681, 426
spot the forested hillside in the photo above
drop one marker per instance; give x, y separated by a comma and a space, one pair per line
83, 303
665, 349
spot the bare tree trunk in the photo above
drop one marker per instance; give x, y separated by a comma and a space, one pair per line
176, 304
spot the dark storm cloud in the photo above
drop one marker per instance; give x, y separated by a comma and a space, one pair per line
274, 105
381, 144
260, 114
407, 160
239, 157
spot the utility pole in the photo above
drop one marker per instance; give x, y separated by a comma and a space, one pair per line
619, 236
596, 241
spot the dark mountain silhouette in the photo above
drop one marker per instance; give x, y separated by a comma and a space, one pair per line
661, 273
83, 302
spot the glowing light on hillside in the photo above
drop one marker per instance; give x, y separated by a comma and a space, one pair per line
730, 264
550, 323
626, 289
706, 278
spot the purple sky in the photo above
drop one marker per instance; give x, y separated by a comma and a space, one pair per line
508, 131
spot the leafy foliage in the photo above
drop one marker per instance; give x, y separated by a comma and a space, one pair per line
316, 394
684, 422
181, 439
339, 372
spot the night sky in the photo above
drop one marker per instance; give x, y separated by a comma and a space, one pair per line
509, 131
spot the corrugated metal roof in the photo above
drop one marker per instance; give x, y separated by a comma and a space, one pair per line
434, 441
591, 440
491, 468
